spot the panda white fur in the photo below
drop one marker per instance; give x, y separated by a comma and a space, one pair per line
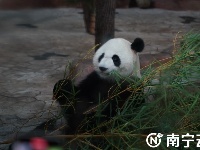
118, 55
94, 93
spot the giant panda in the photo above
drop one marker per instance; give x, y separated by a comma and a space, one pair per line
94, 100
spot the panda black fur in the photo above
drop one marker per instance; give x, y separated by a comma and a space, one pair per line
94, 93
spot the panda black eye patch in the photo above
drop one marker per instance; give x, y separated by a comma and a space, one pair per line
116, 60
100, 57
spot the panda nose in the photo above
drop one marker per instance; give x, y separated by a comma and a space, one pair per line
103, 68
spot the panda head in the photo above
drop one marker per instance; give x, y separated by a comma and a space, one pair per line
118, 55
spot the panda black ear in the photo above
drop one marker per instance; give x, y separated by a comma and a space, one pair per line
137, 45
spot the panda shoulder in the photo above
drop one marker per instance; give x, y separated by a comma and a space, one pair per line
90, 81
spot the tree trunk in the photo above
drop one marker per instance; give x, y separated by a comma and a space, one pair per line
89, 15
105, 18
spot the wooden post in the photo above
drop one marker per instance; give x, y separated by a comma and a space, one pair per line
89, 15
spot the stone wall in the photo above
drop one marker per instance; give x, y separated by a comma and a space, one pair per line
21, 4
177, 4
163, 4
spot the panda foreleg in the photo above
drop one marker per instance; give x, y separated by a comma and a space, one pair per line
65, 93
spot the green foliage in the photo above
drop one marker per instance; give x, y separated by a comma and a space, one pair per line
172, 104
